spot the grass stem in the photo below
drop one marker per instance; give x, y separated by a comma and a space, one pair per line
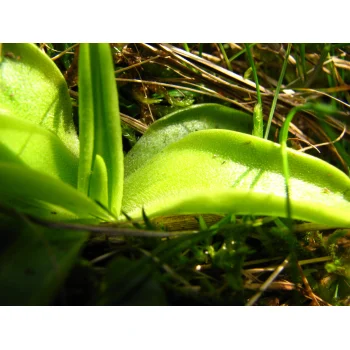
255, 74
227, 61
278, 87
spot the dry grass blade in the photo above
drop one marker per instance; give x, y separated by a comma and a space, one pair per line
216, 95
340, 63
285, 102
323, 93
178, 53
217, 86
121, 70
64, 52
300, 262
278, 285
308, 289
134, 123
319, 131
325, 143
212, 78
268, 282
309, 227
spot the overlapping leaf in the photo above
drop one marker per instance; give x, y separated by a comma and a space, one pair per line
101, 160
178, 124
31, 145
221, 171
38, 166
32, 88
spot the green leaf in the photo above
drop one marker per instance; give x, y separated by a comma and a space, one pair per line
86, 120
221, 171
99, 122
99, 180
35, 262
176, 125
28, 144
32, 88
41, 195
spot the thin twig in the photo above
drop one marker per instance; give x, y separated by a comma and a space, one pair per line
136, 65
63, 52
108, 230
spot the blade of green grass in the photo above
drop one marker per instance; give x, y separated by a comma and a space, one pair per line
186, 47
227, 61
258, 120
200, 50
255, 74
302, 61
321, 109
278, 87
332, 80
318, 66
240, 53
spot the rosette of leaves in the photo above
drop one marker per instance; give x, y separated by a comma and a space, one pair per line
198, 160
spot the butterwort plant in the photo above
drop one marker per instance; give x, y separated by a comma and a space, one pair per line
199, 160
